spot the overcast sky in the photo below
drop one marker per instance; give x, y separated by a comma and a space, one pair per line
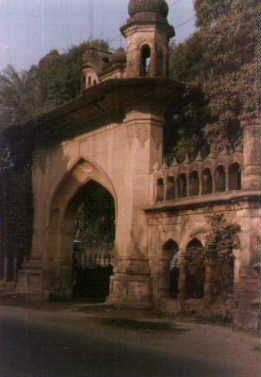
29, 29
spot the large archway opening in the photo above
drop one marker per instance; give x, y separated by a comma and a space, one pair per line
93, 243
81, 233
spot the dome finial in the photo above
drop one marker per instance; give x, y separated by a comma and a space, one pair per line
156, 6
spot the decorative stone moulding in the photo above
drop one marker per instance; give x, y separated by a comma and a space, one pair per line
215, 174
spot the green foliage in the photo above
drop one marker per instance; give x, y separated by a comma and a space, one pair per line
55, 80
222, 238
221, 59
208, 11
60, 75
183, 133
221, 241
19, 95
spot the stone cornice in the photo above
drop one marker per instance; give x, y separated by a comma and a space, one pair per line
205, 201
99, 105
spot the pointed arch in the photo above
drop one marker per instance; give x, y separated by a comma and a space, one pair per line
145, 60
169, 269
234, 177
182, 185
207, 183
80, 172
220, 179
67, 196
195, 269
194, 183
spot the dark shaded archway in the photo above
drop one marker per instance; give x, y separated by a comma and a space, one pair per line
207, 184
71, 192
170, 192
93, 243
145, 62
182, 185
193, 183
195, 269
234, 177
170, 268
220, 179
160, 190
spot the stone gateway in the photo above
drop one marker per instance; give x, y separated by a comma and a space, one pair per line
187, 233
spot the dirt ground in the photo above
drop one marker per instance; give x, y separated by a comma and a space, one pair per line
217, 344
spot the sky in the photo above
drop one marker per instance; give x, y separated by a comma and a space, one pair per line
29, 29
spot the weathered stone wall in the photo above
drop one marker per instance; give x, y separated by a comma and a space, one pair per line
185, 224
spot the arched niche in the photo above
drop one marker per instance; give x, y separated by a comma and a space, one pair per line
206, 181
220, 179
160, 190
170, 192
234, 177
170, 269
194, 183
145, 60
182, 185
194, 269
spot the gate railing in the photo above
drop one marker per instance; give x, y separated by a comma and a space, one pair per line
85, 260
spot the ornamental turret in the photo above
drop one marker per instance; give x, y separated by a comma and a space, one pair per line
148, 33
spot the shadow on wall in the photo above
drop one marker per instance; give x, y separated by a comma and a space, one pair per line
16, 206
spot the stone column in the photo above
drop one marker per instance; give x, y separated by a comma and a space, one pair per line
210, 263
131, 284
251, 152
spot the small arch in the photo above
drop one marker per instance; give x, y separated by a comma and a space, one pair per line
89, 81
195, 269
170, 194
170, 268
182, 185
194, 183
220, 179
145, 61
234, 176
206, 180
160, 190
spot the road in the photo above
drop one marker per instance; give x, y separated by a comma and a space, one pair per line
41, 344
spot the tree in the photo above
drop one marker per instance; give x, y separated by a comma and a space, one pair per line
60, 74
221, 59
208, 11
55, 80
19, 95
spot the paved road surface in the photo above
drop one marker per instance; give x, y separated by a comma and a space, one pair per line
34, 344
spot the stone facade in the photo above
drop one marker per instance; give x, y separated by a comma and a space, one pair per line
113, 135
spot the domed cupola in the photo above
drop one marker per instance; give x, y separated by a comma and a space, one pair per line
156, 6
148, 33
